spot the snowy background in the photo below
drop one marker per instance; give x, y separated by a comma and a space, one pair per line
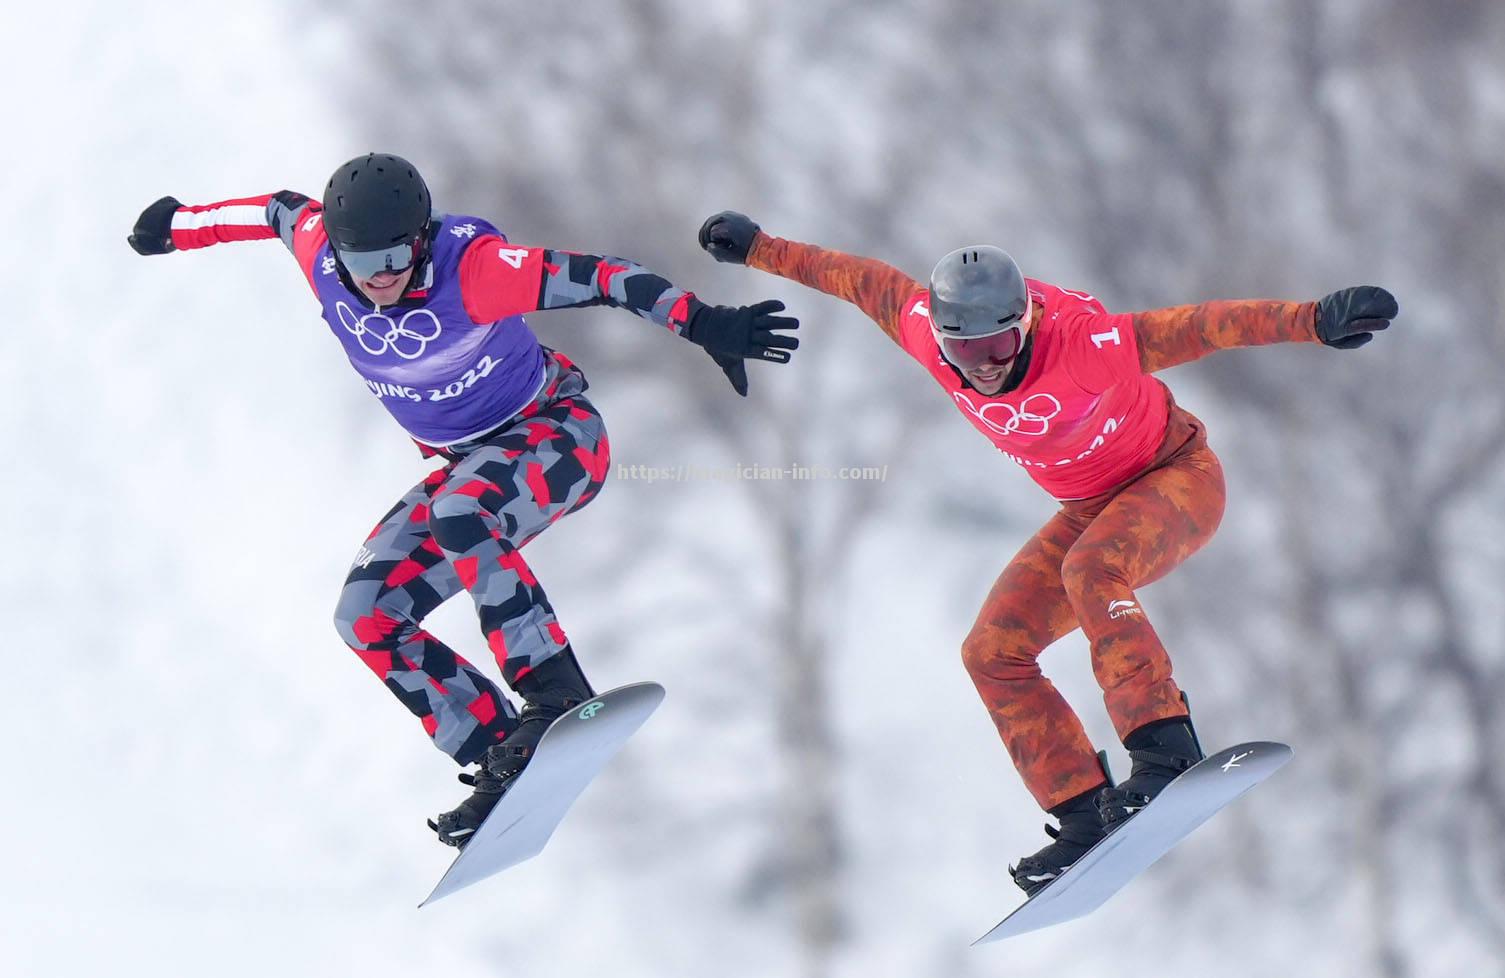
200, 778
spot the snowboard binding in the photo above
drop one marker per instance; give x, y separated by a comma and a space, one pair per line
1161, 752
1081, 828
552, 688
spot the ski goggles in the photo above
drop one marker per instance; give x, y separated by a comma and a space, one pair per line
978, 351
363, 265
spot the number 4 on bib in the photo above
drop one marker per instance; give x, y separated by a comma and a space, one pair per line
512, 256
1194, 797
569, 756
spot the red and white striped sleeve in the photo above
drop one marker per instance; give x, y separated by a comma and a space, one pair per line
242, 219
287, 215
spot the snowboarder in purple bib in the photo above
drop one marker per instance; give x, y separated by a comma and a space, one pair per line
429, 308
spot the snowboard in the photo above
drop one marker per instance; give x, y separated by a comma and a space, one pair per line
568, 757
1196, 795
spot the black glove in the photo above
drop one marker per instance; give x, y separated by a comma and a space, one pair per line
152, 234
728, 236
1349, 318
732, 334
744, 331
735, 369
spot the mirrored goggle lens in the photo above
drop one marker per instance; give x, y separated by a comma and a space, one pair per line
366, 264
997, 348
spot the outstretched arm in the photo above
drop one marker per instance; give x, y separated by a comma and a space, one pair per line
1181, 334
169, 225
1345, 319
877, 288
499, 280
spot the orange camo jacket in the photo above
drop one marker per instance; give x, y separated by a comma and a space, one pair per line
1087, 416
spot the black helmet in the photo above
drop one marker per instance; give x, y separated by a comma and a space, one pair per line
376, 212
977, 291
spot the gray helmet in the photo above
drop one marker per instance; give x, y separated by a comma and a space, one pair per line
977, 291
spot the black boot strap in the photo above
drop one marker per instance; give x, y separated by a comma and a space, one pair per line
1076, 832
1171, 761
549, 705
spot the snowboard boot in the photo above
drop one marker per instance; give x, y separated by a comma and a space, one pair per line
1081, 829
1161, 751
555, 686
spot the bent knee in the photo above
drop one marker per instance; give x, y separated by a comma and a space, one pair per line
456, 521
991, 652
364, 624
452, 501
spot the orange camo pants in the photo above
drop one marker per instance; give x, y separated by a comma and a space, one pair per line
1081, 569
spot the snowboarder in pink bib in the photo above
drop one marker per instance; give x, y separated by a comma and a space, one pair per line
1066, 389
429, 310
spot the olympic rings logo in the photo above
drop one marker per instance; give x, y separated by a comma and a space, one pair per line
377, 332
1032, 416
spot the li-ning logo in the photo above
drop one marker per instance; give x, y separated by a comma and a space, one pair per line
329, 264
1031, 417
1121, 609
463, 230
590, 710
378, 332
363, 558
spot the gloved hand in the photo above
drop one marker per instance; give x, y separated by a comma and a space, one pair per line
735, 369
1349, 318
152, 234
728, 236
732, 334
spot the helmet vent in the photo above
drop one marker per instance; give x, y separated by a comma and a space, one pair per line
376, 201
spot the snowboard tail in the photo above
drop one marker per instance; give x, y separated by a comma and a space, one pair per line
1198, 794
567, 759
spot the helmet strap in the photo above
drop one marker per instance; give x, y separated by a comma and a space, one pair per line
425, 250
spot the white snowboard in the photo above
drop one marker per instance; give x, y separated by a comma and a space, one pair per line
1194, 797
569, 756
